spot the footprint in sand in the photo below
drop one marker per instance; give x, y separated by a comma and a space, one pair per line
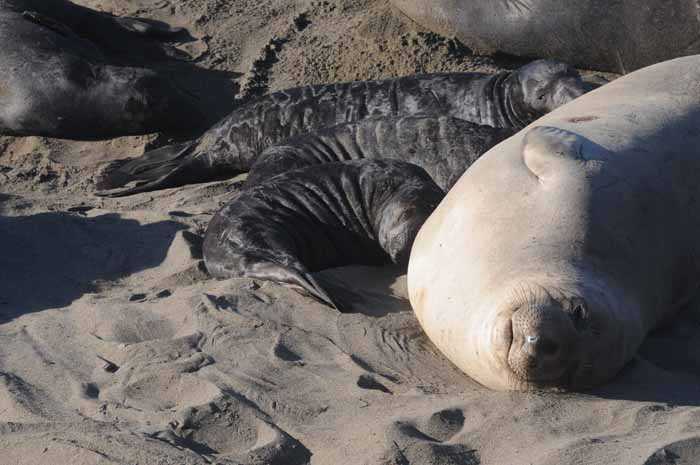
445, 424
281, 351
429, 441
370, 382
19, 400
134, 325
160, 375
234, 429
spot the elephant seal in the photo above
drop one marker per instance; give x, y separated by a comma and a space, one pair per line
508, 99
357, 212
561, 248
357, 207
443, 146
65, 77
619, 36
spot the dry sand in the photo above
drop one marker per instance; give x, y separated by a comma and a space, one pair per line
117, 348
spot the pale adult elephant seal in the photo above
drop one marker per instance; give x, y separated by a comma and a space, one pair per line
444, 147
356, 212
504, 100
62, 74
618, 36
558, 251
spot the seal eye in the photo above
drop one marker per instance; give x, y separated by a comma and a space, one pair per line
579, 315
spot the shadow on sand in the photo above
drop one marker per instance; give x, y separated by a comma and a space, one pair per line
214, 91
374, 291
666, 369
48, 260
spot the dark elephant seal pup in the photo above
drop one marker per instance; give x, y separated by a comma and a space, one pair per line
358, 212
444, 147
619, 36
62, 79
504, 100
561, 248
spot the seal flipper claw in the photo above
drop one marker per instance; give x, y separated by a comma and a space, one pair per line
310, 285
158, 169
292, 276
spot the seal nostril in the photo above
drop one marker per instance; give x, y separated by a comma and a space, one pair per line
544, 339
579, 315
548, 347
538, 346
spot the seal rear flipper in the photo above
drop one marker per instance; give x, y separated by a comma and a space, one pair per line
163, 168
149, 27
50, 23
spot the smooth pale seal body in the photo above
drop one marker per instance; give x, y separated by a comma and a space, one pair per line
619, 36
561, 248
62, 74
504, 100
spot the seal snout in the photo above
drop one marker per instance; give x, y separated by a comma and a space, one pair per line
544, 338
567, 89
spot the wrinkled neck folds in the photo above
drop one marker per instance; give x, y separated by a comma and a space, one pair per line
500, 103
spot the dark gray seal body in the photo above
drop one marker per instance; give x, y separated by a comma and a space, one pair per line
508, 99
444, 147
618, 36
357, 212
64, 75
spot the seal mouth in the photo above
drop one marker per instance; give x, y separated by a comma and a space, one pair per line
502, 337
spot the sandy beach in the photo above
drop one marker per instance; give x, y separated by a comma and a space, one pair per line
116, 347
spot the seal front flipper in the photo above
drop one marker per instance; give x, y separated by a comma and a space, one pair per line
170, 166
289, 276
309, 284
240, 260
549, 151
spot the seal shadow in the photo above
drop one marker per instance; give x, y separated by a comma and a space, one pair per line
666, 368
48, 260
179, 56
215, 92
374, 291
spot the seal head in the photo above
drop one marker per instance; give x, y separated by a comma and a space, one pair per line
517, 98
539, 88
551, 338
530, 288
